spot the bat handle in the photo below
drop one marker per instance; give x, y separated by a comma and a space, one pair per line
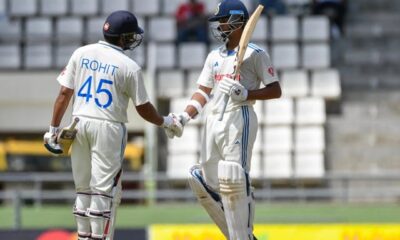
221, 114
73, 125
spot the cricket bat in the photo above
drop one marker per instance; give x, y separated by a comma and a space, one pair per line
67, 135
244, 41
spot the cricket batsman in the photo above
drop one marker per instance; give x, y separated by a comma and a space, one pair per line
221, 181
102, 79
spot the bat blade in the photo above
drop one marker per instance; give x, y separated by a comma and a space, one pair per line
244, 41
67, 136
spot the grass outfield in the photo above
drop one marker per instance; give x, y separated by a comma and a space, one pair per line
140, 216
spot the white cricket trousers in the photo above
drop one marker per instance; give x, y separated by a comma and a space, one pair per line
231, 139
97, 155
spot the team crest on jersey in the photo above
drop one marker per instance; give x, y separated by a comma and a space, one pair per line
106, 26
217, 9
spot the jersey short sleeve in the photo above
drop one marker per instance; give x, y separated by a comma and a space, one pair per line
264, 68
66, 77
206, 78
136, 88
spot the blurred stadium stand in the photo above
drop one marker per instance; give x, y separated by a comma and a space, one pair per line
320, 127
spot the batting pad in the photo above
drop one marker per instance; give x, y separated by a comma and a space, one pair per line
209, 199
82, 203
237, 208
99, 213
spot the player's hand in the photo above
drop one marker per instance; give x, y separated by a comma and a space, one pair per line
233, 89
50, 141
172, 126
183, 117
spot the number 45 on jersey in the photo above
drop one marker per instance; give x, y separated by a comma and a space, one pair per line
85, 92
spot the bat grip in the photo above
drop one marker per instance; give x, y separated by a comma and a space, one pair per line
74, 123
221, 114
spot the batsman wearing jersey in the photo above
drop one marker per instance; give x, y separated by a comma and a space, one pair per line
102, 79
221, 181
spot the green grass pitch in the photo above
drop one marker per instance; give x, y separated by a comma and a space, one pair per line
130, 216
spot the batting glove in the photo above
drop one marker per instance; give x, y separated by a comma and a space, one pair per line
233, 89
183, 117
50, 141
172, 127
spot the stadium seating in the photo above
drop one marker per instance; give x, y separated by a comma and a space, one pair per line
165, 55
54, 8
85, 8
191, 55
3, 8
69, 30
315, 28
294, 83
309, 165
38, 30
170, 84
260, 33
326, 84
162, 29
309, 139
94, 29
277, 139
10, 56
316, 56
285, 28
151, 8
278, 165
285, 56
108, 7
279, 111
37, 56
23, 8
62, 54
310, 111
11, 30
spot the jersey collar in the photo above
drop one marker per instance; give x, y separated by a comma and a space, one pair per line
111, 45
226, 53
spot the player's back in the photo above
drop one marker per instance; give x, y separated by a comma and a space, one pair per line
103, 81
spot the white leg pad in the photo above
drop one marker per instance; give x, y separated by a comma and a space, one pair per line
208, 198
82, 203
237, 208
99, 213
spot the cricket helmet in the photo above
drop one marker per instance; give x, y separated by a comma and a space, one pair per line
236, 15
125, 25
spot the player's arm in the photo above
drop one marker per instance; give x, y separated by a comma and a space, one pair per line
271, 91
171, 124
198, 101
195, 105
61, 105
149, 113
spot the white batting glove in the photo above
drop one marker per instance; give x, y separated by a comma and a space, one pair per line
233, 89
172, 127
183, 117
50, 141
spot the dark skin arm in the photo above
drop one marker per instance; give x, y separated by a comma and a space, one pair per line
61, 105
150, 114
271, 91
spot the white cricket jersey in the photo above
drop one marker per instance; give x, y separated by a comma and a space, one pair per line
256, 68
103, 79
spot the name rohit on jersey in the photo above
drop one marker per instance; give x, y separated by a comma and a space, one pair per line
98, 66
